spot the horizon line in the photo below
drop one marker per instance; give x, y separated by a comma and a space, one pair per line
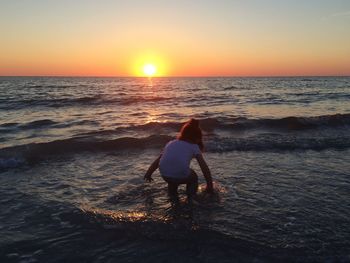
209, 76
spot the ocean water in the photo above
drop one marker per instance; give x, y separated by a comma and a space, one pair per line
73, 152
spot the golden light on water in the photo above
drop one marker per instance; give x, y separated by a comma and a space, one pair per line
112, 217
115, 216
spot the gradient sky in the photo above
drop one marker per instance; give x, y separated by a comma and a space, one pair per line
182, 38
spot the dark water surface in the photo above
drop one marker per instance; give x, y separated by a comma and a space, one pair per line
73, 152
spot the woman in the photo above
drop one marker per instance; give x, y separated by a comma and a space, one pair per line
174, 161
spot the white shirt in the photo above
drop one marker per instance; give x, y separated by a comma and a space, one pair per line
176, 158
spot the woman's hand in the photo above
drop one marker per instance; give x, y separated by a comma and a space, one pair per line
148, 178
206, 172
154, 166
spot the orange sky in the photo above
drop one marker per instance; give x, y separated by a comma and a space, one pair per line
214, 38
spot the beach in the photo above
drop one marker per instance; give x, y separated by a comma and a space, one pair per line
73, 153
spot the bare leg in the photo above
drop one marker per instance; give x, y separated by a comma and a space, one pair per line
172, 189
192, 184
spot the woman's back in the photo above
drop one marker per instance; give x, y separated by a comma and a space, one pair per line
174, 162
176, 158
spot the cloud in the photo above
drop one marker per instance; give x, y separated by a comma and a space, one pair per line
337, 15
346, 13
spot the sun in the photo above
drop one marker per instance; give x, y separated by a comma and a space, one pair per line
148, 65
149, 70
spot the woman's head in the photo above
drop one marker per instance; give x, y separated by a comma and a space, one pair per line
192, 133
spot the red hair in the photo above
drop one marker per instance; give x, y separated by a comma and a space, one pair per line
192, 133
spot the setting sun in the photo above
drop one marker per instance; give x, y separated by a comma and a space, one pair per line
149, 70
148, 64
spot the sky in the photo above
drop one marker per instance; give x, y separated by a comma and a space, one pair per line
180, 38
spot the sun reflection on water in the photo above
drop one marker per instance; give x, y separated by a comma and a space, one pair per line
116, 216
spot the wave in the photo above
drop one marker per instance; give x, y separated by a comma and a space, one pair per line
32, 153
241, 123
80, 101
38, 124
35, 151
9, 124
295, 123
44, 123
24, 103
274, 142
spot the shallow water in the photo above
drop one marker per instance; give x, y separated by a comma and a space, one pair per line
74, 150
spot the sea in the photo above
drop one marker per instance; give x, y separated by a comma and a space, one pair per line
73, 153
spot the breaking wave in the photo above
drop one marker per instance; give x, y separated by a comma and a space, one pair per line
88, 101
31, 153
285, 134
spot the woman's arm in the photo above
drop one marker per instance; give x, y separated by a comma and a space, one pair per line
154, 166
206, 172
